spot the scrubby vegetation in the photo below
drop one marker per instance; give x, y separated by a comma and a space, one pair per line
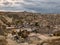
26, 21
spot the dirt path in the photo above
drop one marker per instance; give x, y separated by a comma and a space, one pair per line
42, 37
11, 42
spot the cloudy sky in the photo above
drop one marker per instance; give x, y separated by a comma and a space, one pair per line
43, 6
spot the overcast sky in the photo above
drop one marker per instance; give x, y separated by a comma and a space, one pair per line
43, 6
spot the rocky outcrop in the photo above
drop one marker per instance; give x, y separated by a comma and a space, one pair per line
3, 40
